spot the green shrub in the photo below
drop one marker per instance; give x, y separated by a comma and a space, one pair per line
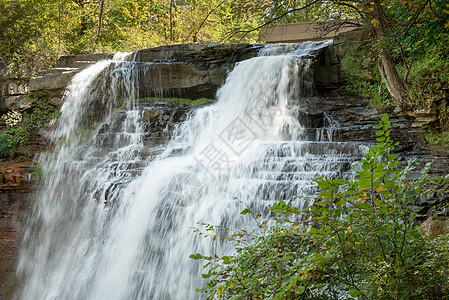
38, 114
438, 138
359, 240
8, 144
362, 75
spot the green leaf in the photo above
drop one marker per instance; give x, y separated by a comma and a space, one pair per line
367, 167
246, 211
364, 174
353, 293
393, 165
226, 260
323, 184
392, 157
380, 132
385, 118
196, 256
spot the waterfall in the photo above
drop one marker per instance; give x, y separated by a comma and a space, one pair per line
114, 217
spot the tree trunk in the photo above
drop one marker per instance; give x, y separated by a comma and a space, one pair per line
172, 14
100, 21
390, 76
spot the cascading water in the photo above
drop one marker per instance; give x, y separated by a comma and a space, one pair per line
115, 222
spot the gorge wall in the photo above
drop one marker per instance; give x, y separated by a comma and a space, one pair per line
191, 71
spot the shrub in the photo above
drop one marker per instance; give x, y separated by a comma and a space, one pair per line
360, 70
8, 143
360, 240
22, 124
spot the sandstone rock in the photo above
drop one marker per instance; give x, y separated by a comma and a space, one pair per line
201, 54
14, 102
14, 193
15, 87
54, 81
217, 76
79, 61
151, 115
435, 227
56, 101
350, 41
327, 69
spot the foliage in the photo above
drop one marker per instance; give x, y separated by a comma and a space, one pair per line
8, 143
429, 75
359, 240
40, 113
12, 117
360, 70
438, 138
35, 32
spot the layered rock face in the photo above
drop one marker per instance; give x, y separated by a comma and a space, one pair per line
186, 71
15, 188
12, 90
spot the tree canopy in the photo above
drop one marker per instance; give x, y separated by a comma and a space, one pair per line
404, 32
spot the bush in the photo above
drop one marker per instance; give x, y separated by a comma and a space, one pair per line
360, 240
360, 70
22, 124
8, 144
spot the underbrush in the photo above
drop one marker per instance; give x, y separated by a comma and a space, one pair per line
24, 122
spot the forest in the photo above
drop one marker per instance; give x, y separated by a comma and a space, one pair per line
408, 53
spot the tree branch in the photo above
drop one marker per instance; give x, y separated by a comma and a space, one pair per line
281, 16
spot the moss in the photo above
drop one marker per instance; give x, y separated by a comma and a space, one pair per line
441, 138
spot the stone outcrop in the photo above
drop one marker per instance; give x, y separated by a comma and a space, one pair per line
15, 188
186, 71
54, 81
13, 93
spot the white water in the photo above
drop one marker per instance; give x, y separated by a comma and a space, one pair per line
111, 225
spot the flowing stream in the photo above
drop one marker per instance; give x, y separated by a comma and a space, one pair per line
114, 217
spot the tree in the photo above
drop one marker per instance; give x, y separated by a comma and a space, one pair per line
401, 28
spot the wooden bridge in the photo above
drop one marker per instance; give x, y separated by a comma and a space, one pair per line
306, 31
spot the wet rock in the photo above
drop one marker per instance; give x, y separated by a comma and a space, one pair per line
327, 69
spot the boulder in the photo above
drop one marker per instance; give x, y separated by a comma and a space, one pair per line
14, 102
434, 227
